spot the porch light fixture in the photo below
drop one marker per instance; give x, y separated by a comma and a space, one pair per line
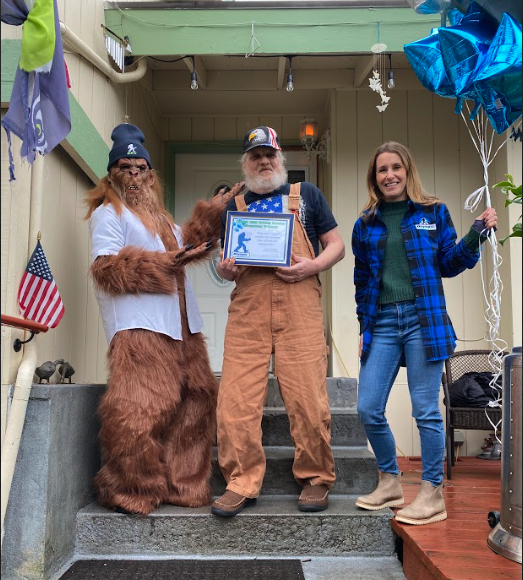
194, 76
391, 83
310, 142
290, 83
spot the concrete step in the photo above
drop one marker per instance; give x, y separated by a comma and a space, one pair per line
356, 472
343, 393
346, 429
273, 527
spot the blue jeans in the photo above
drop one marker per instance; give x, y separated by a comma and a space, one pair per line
397, 334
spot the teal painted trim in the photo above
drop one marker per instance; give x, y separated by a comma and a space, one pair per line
281, 31
85, 140
89, 149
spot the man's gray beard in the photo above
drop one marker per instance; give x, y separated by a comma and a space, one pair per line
261, 185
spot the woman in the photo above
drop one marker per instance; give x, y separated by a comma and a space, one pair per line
404, 243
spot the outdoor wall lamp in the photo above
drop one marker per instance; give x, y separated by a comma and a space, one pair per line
310, 142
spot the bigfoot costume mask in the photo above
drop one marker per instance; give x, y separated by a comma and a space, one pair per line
158, 412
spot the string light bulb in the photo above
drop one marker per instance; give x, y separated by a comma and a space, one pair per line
194, 76
290, 82
391, 83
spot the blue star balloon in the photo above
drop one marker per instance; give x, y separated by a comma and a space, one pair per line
427, 62
436, 7
464, 47
498, 80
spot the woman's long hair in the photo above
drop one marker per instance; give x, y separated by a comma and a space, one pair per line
415, 189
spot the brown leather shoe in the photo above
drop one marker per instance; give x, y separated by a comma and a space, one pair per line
230, 504
314, 498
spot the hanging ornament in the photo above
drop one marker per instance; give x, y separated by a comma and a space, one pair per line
379, 73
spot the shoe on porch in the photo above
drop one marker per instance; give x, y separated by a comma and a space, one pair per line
389, 493
427, 508
313, 498
230, 504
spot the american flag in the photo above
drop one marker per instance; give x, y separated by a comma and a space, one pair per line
38, 296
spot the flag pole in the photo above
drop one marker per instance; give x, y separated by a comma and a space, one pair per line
24, 377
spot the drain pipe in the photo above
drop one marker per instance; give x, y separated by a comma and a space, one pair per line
24, 377
72, 41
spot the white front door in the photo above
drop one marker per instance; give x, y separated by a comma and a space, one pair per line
200, 177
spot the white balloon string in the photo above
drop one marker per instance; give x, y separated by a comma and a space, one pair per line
492, 294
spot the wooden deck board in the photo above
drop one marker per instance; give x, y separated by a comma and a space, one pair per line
456, 549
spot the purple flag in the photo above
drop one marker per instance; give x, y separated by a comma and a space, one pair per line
39, 109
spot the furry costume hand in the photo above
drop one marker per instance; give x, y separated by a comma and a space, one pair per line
205, 222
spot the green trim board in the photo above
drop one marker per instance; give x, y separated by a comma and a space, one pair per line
83, 143
279, 31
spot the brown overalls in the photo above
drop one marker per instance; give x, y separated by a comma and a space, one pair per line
268, 315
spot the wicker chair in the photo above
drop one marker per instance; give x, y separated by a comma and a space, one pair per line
456, 366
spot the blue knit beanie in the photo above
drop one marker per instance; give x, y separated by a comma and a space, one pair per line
127, 141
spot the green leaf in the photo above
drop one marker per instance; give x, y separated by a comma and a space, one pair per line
507, 184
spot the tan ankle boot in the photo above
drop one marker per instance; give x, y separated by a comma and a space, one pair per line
389, 493
427, 508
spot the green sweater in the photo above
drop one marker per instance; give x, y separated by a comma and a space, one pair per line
396, 282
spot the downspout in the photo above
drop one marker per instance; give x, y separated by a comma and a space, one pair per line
24, 377
79, 46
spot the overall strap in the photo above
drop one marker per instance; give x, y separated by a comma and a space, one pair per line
240, 202
294, 198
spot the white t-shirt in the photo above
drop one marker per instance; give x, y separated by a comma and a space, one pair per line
110, 233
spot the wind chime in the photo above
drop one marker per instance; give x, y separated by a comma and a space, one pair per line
378, 73
116, 47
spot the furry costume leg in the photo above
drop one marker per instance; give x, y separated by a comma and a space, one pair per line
143, 391
190, 436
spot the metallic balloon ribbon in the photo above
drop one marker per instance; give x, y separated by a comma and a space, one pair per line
479, 133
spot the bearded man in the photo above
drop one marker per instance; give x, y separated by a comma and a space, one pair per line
277, 310
158, 413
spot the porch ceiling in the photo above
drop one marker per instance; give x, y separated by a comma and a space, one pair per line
256, 85
329, 43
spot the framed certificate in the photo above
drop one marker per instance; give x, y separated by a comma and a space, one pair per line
259, 239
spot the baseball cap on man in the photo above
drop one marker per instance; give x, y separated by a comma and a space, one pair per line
261, 137
127, 143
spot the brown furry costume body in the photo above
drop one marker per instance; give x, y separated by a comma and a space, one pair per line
158, 413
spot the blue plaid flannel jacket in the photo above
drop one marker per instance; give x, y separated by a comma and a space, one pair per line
432, 252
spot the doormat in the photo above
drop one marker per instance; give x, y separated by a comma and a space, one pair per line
185, 570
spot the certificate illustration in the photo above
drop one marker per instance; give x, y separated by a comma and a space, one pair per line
259, 239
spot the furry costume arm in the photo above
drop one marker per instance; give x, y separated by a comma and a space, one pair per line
134, 270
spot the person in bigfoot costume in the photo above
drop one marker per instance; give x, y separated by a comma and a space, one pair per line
158, 413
